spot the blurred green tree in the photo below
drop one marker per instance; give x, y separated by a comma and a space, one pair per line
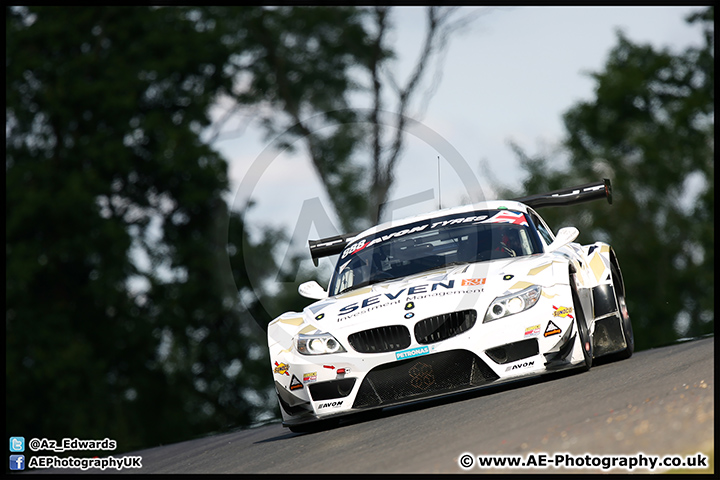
293, 70
320, 78
123, 314
650, 129
111, 203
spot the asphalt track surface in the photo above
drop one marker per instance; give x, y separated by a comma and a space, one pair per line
658, 402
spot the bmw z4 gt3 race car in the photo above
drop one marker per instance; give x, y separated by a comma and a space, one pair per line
448, 301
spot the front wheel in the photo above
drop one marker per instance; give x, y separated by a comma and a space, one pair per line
583, 331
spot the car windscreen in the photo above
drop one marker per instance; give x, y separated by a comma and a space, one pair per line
434, 243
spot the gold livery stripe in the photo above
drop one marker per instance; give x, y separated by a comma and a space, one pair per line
297, 321
308, 329
359, 291
597, 266
536, 270
520, 285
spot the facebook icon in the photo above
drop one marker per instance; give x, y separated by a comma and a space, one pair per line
17, 462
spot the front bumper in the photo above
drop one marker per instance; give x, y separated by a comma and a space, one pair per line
415, 379
528, 344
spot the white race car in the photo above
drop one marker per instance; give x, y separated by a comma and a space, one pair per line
453, 300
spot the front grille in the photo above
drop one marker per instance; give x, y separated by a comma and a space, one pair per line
441, 327
382, 339
421, 377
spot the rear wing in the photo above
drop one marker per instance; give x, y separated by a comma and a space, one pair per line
588, 192
570, 196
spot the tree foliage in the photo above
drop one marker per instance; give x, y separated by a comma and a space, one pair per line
301, 71
121, 316
292, 69
650, 129
122, 258
320, 77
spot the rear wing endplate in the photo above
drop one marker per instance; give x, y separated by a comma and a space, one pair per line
326, 247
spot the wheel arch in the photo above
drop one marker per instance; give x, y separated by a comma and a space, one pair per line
613, 337
614, 261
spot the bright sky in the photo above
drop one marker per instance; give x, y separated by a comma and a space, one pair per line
510, 76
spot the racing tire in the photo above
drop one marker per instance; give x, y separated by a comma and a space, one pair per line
583, 332
624, 316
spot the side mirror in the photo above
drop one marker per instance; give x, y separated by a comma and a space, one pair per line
313, 290
564, 236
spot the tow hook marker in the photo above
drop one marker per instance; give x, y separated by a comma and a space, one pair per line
552, 329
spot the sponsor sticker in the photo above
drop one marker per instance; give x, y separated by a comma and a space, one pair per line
562, 311
361, 244
354, 248
295, 384
534, 330
309, 377
472, 282
518, 366
281, 368
413, 352
382, 300
515, 218
552, 329
330, 404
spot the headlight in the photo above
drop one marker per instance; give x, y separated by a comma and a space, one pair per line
511, 304
317, 344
